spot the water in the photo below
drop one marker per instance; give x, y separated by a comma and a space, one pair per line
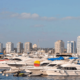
10, 77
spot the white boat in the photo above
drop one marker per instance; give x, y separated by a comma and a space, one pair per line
63, 70
58, 68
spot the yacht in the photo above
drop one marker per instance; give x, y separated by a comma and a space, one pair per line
62, 68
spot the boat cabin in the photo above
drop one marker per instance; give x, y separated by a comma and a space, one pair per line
67, 68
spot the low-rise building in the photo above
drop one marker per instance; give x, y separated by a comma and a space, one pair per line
35, 46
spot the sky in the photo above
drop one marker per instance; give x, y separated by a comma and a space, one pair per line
41, 22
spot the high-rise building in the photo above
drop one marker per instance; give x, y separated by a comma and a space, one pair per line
78, 44
9, 47
71, 47
27, 46
1, 47
19, 47
59, 46
34, 46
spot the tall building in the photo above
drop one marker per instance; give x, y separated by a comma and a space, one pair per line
9, 47
34, 46
1, 47
71, 47
19, 47
78, 44
27, 46
59, 46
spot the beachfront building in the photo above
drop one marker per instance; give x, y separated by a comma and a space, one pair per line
71, 47
1, 47
19, 47
27, 47
9, 47
78, 44
59, 46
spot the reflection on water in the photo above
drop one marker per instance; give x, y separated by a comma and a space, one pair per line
10, 77
63, 78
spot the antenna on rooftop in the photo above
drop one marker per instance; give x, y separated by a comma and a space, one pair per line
38, 43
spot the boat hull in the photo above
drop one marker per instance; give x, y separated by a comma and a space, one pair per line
61, 73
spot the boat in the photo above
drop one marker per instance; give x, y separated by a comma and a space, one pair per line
58, 68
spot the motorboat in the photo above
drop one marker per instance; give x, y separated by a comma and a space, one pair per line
62, 68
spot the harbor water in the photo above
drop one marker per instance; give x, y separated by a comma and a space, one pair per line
11, 77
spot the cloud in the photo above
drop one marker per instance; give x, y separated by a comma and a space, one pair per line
25, 16
70, 17
31, 16
67, 18
35, 16
14, 15
48, 18
4, 12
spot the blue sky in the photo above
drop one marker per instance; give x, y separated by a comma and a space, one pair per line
43, 20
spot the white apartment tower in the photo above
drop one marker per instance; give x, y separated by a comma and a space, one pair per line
78, 44
19, 47
1, 47
27, 46
59, 46
9, 47
71, 47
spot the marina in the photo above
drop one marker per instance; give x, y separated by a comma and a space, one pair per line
27, 66
39, 40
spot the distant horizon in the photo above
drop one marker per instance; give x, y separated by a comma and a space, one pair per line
15, 44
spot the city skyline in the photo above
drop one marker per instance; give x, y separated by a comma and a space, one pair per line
43, 20
72, 47
38, 45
